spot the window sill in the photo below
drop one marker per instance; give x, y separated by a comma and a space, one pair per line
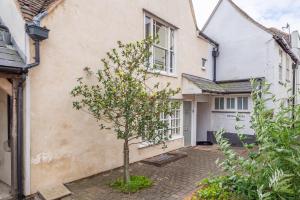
163, 73
230, 111
144, 145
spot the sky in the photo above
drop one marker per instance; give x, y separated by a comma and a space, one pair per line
270, 13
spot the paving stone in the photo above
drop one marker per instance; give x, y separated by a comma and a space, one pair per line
173, 181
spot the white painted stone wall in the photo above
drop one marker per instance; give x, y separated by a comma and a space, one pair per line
246, 51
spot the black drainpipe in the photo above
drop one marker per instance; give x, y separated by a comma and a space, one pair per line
20, 137
37, 34
294, 89
215, 54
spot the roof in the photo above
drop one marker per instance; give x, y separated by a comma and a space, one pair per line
31, 8
221, 87
9, 56
280, 33
277, 34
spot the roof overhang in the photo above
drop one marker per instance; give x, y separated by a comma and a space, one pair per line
286, 47
193, 85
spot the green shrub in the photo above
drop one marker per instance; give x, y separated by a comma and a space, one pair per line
136, 183
271, 171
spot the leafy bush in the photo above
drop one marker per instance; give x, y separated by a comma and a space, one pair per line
213, 189
135, 184
271, 170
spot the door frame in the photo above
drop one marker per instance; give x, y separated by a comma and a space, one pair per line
193, 121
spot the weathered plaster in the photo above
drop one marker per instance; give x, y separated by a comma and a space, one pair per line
67, 144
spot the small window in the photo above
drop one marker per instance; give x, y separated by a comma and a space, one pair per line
280, 70
230, 103
242, 103
287, 69
204, 61
219, 103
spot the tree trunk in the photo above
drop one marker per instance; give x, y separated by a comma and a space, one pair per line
126, 161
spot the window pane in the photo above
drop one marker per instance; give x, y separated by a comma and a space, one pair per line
162, 32
280, 72
222, 103
240, 103
217, 104
232, 103
228, 103
172, 40
160, 56
147, 26
172, 62
245, 106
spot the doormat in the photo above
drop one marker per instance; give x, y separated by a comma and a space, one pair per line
163, 159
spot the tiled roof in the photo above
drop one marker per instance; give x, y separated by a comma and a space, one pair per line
221, 87
9, 56
236, 86
31, 8
204, 84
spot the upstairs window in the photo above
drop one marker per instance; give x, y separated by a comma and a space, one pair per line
242, 103
219, 103
280, 70
287, 73
163, 51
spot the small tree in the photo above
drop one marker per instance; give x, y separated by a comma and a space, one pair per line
122, 97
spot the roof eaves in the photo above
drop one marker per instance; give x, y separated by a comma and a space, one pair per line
285, 46
207, 38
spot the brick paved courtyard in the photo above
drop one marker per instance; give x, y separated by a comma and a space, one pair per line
172, 181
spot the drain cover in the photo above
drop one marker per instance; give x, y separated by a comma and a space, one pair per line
164, 159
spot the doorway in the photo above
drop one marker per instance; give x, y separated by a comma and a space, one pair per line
203, 121
187, 123
5, 153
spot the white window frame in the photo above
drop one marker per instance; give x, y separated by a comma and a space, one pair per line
224, 103
280, 67
170, 28
235, 109
173, 118
243, 103
287, 75
230, 102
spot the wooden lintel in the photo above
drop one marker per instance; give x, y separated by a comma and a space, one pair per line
6, 86
5, 75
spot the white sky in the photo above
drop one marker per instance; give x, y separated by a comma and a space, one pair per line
271, 13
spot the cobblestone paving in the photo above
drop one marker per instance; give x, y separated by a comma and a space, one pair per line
171, 182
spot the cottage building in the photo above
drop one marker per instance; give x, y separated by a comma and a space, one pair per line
47, 141
247, 50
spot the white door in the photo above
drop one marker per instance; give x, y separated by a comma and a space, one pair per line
187, 123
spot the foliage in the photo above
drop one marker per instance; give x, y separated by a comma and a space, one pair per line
120, 97
272, 169
213, 189
135, 184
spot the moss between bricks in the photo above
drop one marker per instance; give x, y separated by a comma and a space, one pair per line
136, 183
